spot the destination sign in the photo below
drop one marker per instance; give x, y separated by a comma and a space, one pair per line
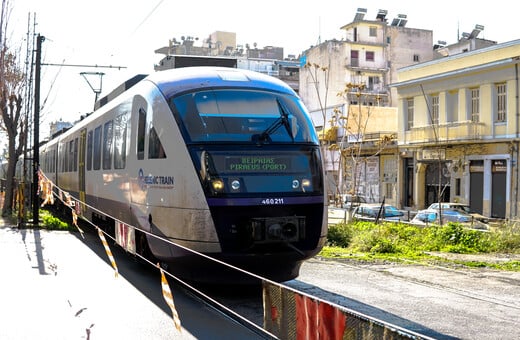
258, 163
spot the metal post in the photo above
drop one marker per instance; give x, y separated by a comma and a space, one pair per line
36, 129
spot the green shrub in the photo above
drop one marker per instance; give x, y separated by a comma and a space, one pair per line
53, 223
368, 237
339, 235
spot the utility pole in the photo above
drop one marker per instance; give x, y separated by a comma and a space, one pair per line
36, 129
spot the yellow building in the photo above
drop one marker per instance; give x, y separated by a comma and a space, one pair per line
459, 130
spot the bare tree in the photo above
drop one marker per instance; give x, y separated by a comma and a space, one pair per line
354, 153
13, 122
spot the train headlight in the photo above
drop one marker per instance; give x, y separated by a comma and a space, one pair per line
306, 184
235, 185
217, 185
295, 184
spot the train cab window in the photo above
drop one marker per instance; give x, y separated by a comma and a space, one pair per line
120, 128
107, 145
155, 148
141, 125
97, 148
243, 116
89, 150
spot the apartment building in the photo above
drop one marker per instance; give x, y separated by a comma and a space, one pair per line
361, 66
459, 130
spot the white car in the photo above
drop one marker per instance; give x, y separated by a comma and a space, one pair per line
431, 216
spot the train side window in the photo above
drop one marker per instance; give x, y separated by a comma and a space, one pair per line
155, 148
140, 133
89, 150
107, 144
120, 128
97, 148
65, 163
76, 154
70, 166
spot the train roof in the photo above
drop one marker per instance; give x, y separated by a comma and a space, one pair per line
174, 81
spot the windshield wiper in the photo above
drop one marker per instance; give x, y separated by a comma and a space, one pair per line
282, 120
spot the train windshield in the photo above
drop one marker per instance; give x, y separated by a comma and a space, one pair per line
236, 115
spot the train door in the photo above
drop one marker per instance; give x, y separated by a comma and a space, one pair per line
81, 165
139, 118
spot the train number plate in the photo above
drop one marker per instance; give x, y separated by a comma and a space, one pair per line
273, 201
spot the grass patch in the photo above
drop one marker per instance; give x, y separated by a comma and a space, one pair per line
399, 242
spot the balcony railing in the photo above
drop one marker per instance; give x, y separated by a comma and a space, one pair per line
454, 131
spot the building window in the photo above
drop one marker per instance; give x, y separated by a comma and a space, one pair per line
354, 58
373, 31
369, 55
388, 40
372, 82
435, 109
501, 107
475, 105
409, 113
416, 57
452, 106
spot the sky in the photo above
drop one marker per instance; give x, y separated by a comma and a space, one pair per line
126, 33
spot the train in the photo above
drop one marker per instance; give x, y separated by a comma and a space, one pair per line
222, 161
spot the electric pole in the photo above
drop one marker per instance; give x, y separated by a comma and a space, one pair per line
36, 129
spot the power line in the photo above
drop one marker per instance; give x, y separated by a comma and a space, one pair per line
80, 65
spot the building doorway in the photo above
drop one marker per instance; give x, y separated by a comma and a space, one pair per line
476, 185
407, 199
437, 183
498, 188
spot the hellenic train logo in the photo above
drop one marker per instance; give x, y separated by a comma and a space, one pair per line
151, 181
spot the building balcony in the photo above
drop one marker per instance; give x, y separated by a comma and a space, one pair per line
453, 132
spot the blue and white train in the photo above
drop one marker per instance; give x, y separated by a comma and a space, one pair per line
219, 160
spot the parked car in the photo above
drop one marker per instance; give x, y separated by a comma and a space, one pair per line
352, 201
431, 216
369, 211
461, 207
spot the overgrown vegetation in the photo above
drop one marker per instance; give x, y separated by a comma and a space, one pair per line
402, 242
53, 223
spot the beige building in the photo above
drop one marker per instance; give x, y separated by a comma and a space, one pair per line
370, 53
366, 58
459, 130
